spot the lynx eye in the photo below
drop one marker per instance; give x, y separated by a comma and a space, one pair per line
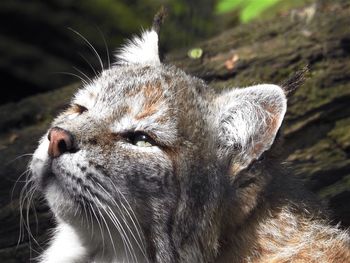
141, 139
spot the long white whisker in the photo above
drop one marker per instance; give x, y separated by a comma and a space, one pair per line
136, 224
85, 213
20, 156
127, 202
82, 73
106, 46
74, 75
92, 221
26, 196
142, 248
106, 224
90, 45
32, 204
121, 231
88, 62
29, 204
20, 206
126, 242
22, 199
98, 222
25, 173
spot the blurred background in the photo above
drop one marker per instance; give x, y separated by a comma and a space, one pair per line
48, 49
39, 48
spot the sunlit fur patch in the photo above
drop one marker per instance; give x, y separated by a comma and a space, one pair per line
290, 238
153, 98
88, 96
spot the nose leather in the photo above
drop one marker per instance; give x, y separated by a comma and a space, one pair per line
61, 141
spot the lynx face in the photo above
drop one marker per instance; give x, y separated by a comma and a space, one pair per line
146, 158
124, 140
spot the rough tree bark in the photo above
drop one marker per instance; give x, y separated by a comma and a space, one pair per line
317, 126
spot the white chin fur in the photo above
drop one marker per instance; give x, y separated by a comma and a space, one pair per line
60, 204
40, 159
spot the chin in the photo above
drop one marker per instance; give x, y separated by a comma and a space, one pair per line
60, 203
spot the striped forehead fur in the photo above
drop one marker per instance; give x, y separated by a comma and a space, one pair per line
142, 101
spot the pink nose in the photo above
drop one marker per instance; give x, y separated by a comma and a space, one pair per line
61, 141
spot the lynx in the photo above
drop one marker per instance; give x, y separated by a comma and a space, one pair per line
149, 164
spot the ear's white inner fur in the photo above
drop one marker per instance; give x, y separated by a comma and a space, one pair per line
249, 119
140, 50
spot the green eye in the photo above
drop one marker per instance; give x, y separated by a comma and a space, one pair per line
141, 140
143, 144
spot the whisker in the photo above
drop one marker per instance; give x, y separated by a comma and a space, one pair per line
29, 205
92, 221
18, 157
85, 213
122, 232
126, 242
20, 216
26, 195
98, 222
32, 206
90, 46
74, 75
18, 181
106, 47
82, 73
22, 199
142, 247
136, 224
87, 61
106, 224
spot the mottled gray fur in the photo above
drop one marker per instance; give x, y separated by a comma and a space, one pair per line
202, 186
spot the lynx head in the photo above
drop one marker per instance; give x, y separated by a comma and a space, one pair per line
154, 156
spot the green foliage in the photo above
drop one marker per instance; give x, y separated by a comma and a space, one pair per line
224, 6
248, 9
195, 53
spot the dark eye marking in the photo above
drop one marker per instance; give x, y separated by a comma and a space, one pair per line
139, 138
78, 108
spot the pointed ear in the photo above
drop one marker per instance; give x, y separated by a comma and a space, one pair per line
248, 120
142, 50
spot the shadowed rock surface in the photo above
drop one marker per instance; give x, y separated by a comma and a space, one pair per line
317, 126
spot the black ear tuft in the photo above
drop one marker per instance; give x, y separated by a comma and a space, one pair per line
159, 19
295, 81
